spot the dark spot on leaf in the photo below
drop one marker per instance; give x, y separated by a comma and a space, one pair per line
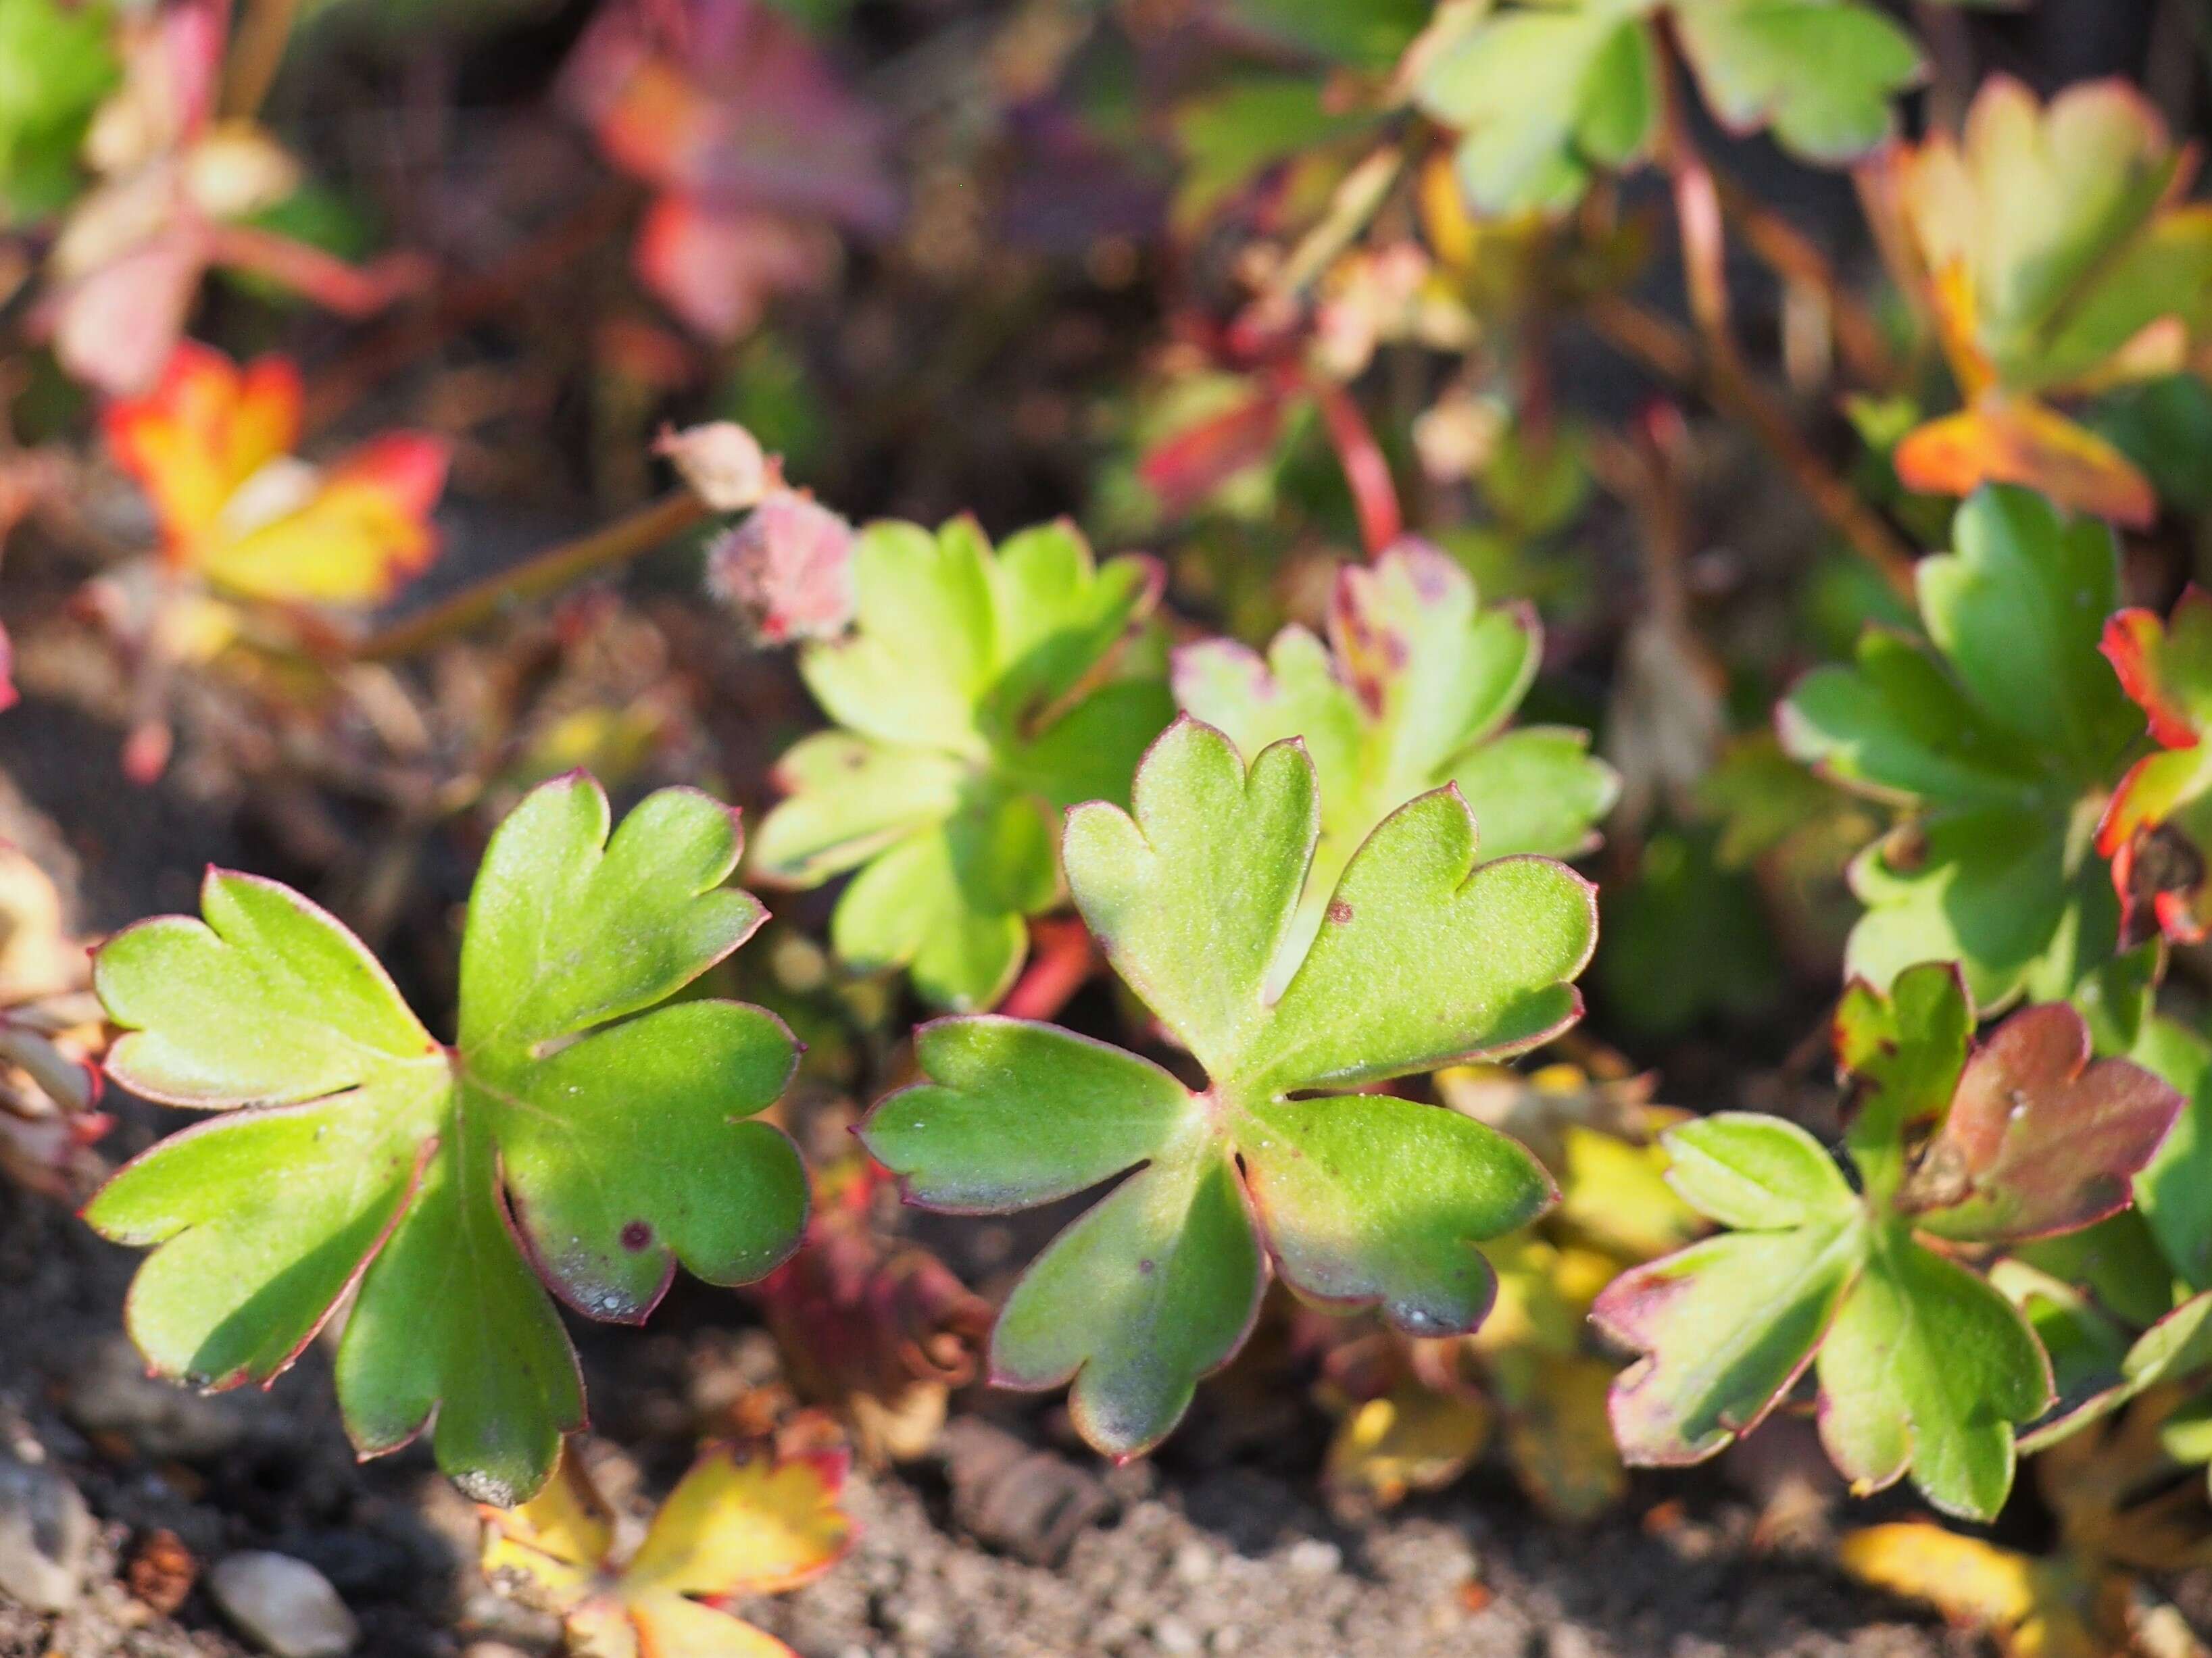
636, 1235
1338, 911
1145, 1265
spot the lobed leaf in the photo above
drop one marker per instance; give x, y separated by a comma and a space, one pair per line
1999, 738
2049, 247
1819, 73
976, 696
1413, 691
734, 1526
2037, 1138
1544, 95
1927, 1369
2155, 829
1363, 1200
453, 1188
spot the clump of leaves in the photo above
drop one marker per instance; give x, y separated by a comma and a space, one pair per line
2120, 1515
561, 1143
734, 1526
1544, 94
979, 696
1414, 689
1922, 1365
1355, 1199
2159, 825
2051, 247
1998, 734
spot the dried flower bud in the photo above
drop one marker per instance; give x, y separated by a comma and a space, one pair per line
722, 462
788, 570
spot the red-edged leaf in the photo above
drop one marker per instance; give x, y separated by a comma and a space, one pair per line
2039, 1139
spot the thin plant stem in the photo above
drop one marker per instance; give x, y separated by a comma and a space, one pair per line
257, 55
548, 572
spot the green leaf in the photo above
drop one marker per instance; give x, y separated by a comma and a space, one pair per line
1907, 1049
1755, 1174
2170, 1188
979, 695
1365, 1199
1544, 95
1414, 691
571, 1136
1726, 1326
2000, 738
57, 62
1923, 1366
1820, 73
1927, 1369
2018, 609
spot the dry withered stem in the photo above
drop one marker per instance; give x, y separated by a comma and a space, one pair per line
1726, 379
547, 572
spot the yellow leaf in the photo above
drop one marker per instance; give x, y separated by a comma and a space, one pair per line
1559, 1438
1614, 1193
734, 1526
1410, 1440
559, 1541
2037, 1608
744, 1525
669, 1626
197, 436
211, 445
2003, 440
361, 531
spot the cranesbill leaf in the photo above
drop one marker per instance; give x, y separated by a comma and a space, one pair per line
1927, 1368
1413, 690
1364, 1200
2047, 243
1819, 73
1728, 1324
978, 695
1999, 737
2039, 1139
1546, 94
572, 1140
1924, 1367
211, 445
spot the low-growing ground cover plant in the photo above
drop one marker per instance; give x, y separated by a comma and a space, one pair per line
1754, 451
559, 1144
1352, 1197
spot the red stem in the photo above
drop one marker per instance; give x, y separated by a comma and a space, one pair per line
1062, 958
1373, 495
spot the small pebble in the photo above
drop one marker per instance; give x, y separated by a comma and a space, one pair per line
1175, 1638
1309, 1556
1194, 1563
283, 1605
111, 1394
44, 1530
